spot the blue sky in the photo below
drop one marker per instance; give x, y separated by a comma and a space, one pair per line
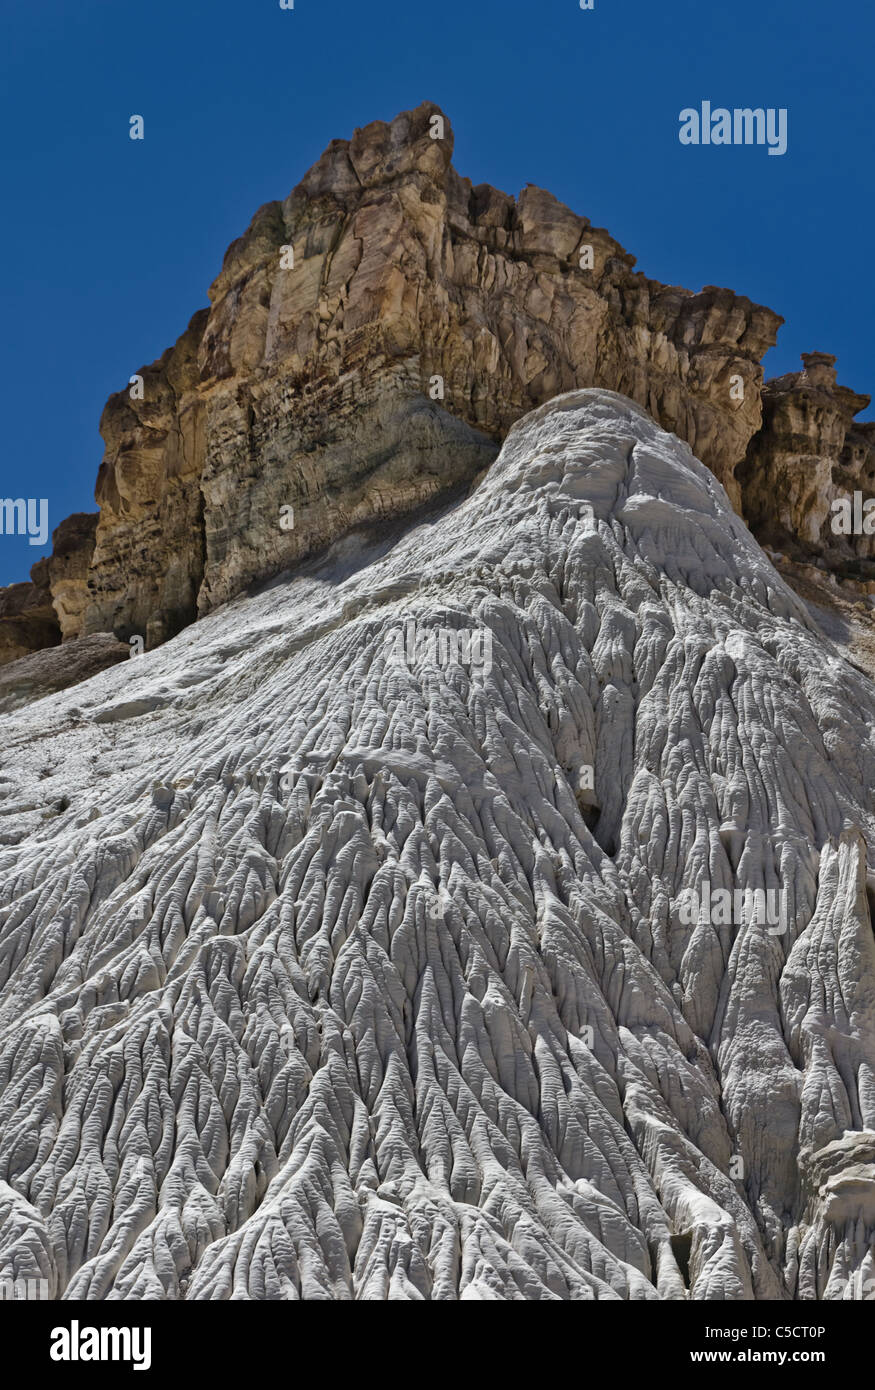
109, 244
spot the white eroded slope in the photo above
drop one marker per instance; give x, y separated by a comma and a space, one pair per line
322, 977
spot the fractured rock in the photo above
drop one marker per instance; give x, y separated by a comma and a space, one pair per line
383, 308
28, 621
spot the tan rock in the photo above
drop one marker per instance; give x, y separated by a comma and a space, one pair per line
807, 453
67, 569
308, 388
369, 343
27, 620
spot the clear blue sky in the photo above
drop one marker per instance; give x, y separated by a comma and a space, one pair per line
109, 244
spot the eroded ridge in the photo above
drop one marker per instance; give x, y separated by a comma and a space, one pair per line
344, 938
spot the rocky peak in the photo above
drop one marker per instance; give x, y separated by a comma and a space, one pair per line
409, 308
369, 342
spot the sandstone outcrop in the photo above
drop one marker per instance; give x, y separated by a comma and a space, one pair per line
28, 621
67, 569
321, 979
370, 341
809, 452
419, 311
40, 613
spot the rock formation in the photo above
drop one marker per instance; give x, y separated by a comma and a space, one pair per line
418, 311
808, 453
369, 342
28, 621
42, 612
345, 941
42, 672
68, 567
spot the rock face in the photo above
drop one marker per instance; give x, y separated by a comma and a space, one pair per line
419, 312
369, 343
40, 614
808, 453
347, 940
67, 569
28, 622
56, 668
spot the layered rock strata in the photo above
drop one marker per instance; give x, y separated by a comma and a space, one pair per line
808, 454
388, 309
28, 621
383, 307
67, 569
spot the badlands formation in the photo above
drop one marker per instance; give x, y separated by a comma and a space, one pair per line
342, 941
395, 765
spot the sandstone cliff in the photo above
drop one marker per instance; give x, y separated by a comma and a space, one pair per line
808, 453
369, 342
28, 621
40, 614
313, 388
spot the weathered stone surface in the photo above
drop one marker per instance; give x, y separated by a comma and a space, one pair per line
39, 614
808, 452
321, 979
148, 557
66, 570
309, 388
300, 404
841, 610
40, 673
28, 622
855, 472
